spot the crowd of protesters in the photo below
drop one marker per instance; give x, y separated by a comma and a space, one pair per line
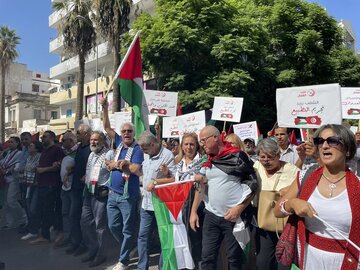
75, 191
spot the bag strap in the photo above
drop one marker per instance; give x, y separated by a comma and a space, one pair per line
277, 180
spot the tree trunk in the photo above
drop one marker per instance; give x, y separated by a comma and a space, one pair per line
116, 86
2, 106
80, 88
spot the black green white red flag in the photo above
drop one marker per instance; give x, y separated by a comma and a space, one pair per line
168, 202
130, 78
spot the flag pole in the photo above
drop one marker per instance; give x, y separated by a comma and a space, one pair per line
224, 126
122, 63
174, 183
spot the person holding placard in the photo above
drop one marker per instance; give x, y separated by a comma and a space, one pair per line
327, 205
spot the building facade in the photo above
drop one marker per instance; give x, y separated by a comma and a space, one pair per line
27, 97
98, 72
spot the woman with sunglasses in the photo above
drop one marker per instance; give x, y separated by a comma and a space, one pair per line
330, 193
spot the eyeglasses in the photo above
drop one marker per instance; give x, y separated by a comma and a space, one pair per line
203, 140
332, 141
127, 130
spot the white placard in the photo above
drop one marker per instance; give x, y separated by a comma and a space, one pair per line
227, 109
354, 129
192, 122
308, 106
350, 101
152, 119
96, 124
170, 127
161, 102
175, 127
247, 130
120, 118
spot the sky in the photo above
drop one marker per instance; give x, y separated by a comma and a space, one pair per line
30, 20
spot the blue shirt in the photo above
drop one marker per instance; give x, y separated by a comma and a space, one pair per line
117, 181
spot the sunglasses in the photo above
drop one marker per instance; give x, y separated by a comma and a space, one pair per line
332, 141
127, 130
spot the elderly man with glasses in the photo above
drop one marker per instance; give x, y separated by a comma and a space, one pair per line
231, 182
124, 195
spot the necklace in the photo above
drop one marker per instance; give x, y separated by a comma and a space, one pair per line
332, 185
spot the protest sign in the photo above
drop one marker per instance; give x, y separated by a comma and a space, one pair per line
170, 127
121, 118
96, 124
350, 101
227, 109
174, 127
247, 130
161, 102
308, 106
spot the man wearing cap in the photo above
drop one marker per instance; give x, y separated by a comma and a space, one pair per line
250, 149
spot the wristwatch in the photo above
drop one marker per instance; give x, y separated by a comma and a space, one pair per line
155, 182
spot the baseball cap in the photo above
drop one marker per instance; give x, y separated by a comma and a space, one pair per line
250, 140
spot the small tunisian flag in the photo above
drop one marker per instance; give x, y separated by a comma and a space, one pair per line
130, 78
169, 202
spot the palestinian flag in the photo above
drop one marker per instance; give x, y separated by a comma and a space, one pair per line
130, 79
168, 202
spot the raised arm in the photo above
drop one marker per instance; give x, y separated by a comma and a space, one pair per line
106, 121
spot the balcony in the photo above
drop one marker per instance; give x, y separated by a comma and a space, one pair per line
56, 17
62, 123
71, 65
64, 96
56, 45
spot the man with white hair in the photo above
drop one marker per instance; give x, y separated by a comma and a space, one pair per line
157, 169
93, 217
124, 194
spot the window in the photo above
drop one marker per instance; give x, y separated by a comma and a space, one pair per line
69, 113
38, 75
53, 114
35, 88
37, 114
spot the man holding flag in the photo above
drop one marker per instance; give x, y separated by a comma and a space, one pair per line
158, 166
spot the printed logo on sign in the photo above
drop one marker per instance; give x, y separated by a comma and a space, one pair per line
307, 93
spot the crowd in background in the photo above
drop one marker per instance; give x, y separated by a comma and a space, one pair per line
87, 185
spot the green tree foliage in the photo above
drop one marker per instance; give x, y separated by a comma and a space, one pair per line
8, 53
244, 48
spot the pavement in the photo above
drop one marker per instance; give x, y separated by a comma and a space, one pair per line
18, 254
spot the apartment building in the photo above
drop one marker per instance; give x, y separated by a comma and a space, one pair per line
27, 97
348, 35
98, 72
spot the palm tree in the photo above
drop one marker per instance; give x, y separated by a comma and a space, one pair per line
79, 38
112, 20
8, 53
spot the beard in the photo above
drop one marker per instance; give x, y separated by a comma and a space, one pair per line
96, 149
